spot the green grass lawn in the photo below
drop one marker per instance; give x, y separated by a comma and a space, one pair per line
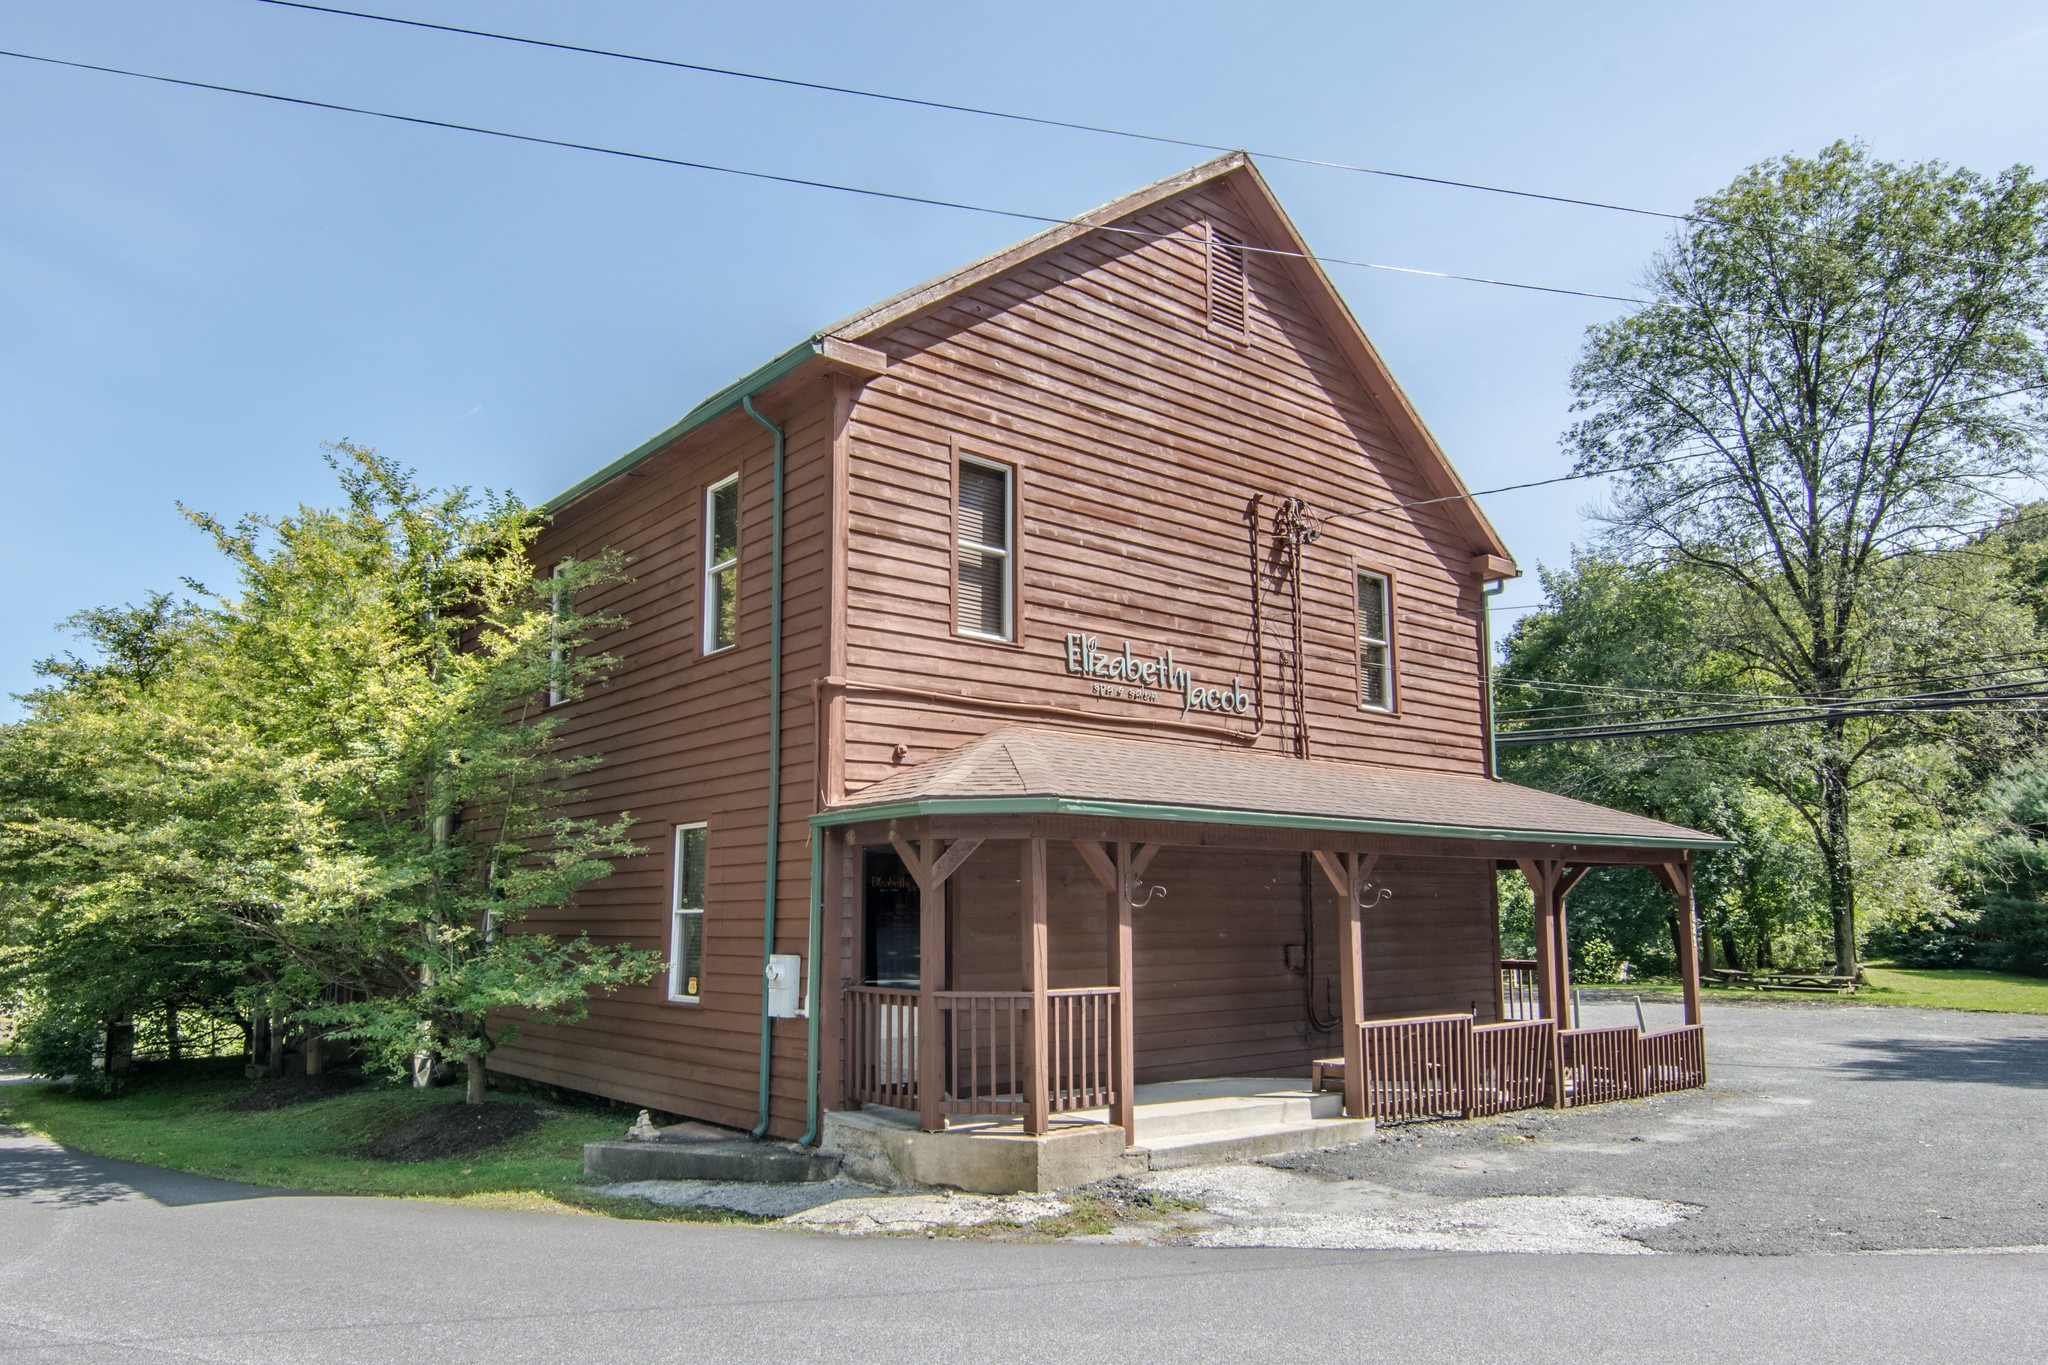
179, 1118
1995, 992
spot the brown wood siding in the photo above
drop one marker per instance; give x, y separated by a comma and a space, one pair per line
683, 738
1216, 989
1139, 437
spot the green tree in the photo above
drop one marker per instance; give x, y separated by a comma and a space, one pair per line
1842, 364
345, 774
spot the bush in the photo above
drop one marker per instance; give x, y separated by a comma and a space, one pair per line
57, 1043
2013, 936
1935, 941
1594, 960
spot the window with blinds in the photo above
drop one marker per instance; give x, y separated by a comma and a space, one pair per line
722, 564
1227, 311
984, 591
1375, 644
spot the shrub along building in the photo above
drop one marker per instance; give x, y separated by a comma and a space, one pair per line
1067, 677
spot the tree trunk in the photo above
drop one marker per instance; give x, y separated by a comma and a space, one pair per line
1732, 950
276, 1040
1837, 862
313, 1038
475, 1093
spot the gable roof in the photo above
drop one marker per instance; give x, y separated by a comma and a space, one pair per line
1278, 235
1027, 770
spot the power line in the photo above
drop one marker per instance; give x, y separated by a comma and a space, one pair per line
869, 192
1039, 120
1882, 706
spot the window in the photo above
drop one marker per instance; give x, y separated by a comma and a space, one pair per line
722, 564
558, 682
1226, 282
1375, 644
686, 915
985, 588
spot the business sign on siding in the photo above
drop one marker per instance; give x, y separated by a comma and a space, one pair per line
1125, 675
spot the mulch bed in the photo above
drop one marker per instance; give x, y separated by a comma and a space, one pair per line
286, 1091
455, 1130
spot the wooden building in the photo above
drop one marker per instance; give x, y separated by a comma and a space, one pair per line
1070, 674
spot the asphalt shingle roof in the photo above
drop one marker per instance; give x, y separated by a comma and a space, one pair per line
1020, 763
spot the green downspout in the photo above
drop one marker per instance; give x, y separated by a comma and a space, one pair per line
774, 759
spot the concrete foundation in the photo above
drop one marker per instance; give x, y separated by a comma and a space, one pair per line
1181, 1123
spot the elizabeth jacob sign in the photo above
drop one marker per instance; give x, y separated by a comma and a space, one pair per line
1135, 677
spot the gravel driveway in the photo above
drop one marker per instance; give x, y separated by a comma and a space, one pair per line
1824, 1127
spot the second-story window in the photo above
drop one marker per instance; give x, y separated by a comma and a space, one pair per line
985, 587
1375, 644
722, 564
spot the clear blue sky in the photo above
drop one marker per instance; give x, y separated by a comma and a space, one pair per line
197, 289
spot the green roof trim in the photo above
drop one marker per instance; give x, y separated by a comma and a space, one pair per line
1205, 815
717, 405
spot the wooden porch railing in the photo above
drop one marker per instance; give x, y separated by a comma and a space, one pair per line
1600, 1064
988, 1040
1510, 1065
1079, 1075
881, 1046
1519, 998
1674, 1060
1417, 1068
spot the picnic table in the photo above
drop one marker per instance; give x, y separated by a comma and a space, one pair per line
1811, 982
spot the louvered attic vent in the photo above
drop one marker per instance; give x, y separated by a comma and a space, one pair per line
1226, 282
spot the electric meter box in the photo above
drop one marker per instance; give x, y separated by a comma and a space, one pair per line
785, 979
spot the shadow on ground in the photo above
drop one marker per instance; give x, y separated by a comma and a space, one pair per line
41, 1172
2017, 1062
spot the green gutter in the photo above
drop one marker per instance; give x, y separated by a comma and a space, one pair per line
1260, 819
774, 751
717, 405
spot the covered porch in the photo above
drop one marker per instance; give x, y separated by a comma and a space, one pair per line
1027, 952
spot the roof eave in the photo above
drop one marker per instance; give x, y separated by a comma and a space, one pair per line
921, 808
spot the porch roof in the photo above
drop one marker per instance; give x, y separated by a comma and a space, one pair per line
1028, 770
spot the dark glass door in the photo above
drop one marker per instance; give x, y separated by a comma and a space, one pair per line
889, 916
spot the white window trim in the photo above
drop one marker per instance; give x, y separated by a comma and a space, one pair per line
710, 601
1006, 552
676, 912
1360, 641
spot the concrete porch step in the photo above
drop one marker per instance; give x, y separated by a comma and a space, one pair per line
726, 1159
1246, 1144
1173, 1119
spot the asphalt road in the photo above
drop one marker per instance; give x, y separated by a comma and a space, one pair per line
1811, 1118
1823, 1127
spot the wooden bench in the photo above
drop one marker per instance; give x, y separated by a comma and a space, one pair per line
1326, 1073
1813, 983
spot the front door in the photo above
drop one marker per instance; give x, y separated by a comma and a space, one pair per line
889, 921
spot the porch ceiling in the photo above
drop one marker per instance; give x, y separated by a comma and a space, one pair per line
1026, 770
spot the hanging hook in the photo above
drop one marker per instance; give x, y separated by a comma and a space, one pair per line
1151, 894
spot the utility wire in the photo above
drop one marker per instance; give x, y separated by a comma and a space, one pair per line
1012, 117
656, 159
1883, 706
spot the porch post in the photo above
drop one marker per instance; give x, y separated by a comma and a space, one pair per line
1037, 1084
1542, 874
931, 965
1351, 946
1680, 874
1123, 1036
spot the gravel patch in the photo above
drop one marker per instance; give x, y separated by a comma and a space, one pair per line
911, 1213
755, 1200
